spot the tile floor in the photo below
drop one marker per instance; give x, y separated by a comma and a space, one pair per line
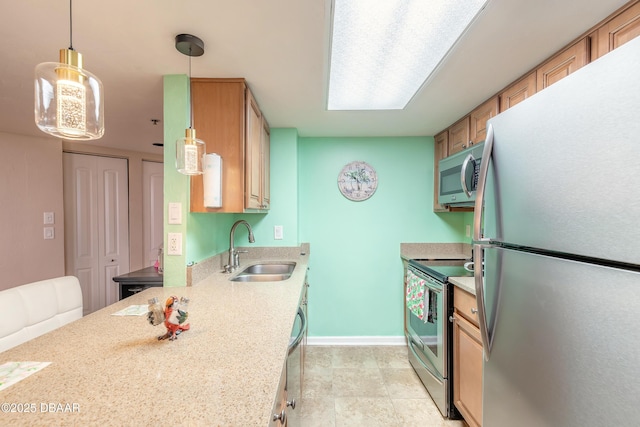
365, 386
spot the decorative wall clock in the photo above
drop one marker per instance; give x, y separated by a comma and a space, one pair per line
357, 181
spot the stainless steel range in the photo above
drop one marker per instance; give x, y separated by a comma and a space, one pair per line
427, 326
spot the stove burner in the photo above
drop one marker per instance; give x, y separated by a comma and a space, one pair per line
442, 269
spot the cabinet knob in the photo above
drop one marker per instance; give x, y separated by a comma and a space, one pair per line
452, 319
292, 403
282, 416
464, 145
474, 310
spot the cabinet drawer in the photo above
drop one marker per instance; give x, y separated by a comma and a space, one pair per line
465, 304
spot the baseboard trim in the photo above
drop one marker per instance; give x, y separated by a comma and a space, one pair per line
354, 341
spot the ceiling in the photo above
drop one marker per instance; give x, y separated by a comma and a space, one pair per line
279, 46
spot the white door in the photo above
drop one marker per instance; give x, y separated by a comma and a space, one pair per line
96, 225
152, 209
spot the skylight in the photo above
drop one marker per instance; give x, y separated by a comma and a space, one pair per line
382, 51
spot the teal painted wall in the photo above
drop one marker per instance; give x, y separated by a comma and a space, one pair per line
356, 270
207, 234
176, 185
284, 194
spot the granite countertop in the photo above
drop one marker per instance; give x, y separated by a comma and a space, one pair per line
225, 370
465, 283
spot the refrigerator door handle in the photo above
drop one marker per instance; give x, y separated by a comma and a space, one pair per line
482, 183
463, 173
479, 243
487, 337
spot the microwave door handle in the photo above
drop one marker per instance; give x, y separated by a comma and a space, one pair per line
463, 173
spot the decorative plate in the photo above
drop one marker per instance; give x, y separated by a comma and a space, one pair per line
357, 181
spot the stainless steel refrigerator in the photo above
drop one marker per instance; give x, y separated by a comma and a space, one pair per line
559, 300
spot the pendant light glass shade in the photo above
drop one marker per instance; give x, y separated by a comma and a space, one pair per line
189, 153
69, 100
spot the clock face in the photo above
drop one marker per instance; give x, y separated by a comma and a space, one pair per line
357, 181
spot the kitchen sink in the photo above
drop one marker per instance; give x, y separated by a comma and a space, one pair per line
275, 268
271, 272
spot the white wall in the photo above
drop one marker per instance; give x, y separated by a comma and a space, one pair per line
30, 184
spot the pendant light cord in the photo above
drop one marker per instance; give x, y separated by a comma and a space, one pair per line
190, 99
70, 25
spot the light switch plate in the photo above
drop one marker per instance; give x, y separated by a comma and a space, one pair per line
49, 218
49, 233
175, 213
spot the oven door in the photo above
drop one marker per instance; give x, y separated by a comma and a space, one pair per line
426, 335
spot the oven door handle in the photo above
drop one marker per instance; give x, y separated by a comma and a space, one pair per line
430, 367
430, 283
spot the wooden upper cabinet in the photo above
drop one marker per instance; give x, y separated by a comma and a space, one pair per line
459, 136
228, 120
253, 154
564, 63
617, 31
518, 91
478, 119
441, 150
265, 152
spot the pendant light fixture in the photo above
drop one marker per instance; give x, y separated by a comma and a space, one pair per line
189, 150
69, 100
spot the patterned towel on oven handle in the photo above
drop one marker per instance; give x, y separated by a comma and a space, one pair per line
415, 294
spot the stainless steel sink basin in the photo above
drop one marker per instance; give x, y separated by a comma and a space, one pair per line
271, 272
275, 268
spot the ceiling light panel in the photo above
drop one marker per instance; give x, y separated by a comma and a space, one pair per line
382, 51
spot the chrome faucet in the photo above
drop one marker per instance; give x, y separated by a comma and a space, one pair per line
234, 255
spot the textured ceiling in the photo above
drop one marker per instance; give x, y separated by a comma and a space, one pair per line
279, 46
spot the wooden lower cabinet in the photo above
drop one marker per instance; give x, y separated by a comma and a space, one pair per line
467, 358
279, 411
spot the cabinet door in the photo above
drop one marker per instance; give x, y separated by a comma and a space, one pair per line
265, 190
459, 136
253, 155
219, 118
562, 64
518, 91
467, 370
441, 150
478, 119
618, 30
278, 412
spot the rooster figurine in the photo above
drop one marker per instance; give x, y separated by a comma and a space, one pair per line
175, 317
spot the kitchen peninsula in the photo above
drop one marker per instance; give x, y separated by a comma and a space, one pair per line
112, 370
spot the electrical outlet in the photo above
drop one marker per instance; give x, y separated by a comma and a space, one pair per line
174, 244
277, 232
468, 230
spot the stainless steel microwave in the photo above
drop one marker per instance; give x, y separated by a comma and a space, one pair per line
458, 177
